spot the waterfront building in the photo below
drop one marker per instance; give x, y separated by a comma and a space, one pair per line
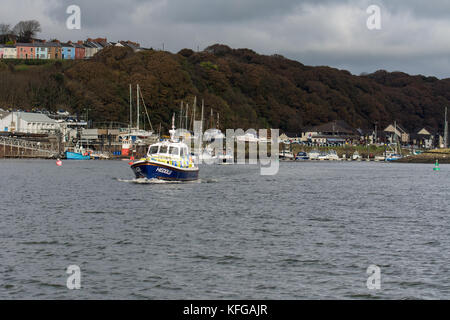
424, 138
395, 130
335, 132
27, 122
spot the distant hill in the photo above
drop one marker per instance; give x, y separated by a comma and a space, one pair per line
247, 89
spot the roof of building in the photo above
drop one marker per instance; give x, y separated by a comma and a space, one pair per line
399, 128
51, 44
337, 126
3, 114
34, 117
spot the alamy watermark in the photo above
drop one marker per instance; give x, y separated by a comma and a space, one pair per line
73, 22
236, 146
374, 20
74, 279
374, 279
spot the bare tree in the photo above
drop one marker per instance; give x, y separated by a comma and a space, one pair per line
26, 30
5, 32
5, 29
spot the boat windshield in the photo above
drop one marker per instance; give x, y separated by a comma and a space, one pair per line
163, 149
153, 150
173, 151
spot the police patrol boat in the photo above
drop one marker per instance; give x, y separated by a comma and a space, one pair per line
167, 160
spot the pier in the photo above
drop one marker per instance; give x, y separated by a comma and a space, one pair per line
12, 147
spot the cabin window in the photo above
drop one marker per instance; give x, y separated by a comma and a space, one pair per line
183, 152
173, 151
153, 149
163, 149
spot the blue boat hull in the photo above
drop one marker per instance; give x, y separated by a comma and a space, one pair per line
151, 170
76, 156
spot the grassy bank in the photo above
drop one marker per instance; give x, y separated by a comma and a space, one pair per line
442, 155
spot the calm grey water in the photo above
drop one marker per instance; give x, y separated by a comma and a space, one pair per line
309, 232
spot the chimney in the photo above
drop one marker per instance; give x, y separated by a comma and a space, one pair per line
80, 42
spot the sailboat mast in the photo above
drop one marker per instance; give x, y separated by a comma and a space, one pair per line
203, 107
137, 97
446, 130
195, 107
131, 108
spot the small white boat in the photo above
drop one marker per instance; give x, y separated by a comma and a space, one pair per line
332, 155
356, 156
314, 155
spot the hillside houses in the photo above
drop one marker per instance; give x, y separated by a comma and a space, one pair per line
57, 50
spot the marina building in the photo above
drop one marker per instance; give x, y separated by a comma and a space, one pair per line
335, 132
395, 131
27, 122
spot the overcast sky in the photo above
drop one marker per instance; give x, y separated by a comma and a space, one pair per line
414, 35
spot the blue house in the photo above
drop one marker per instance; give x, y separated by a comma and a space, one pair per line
68, 51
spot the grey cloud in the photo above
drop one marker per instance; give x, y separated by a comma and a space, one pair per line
414, 35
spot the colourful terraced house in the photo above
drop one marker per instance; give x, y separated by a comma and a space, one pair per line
26, 50
68, 51
9, 52
80, 50
41, 52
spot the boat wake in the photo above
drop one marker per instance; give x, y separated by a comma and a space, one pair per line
158, 181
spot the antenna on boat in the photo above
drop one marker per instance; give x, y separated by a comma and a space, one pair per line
187, 116
181, 114
172, 132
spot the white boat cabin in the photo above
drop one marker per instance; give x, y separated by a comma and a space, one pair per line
169, 150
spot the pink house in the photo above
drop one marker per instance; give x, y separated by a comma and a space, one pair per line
26, 50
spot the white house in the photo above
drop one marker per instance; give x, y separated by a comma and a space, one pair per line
26, 122
9, 52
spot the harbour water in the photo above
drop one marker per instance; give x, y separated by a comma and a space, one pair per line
309, 232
